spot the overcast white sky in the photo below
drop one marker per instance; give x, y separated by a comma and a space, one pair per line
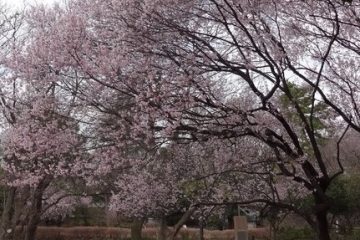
21, 3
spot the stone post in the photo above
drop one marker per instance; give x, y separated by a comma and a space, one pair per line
240, 228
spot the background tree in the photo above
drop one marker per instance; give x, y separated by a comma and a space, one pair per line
213, 72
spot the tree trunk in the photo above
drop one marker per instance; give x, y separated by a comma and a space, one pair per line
201, 230
35, 211
322, 225
33, 220
136, 228
7, 228
272, 230
162, 229
182, 221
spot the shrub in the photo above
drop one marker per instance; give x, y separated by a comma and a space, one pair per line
295, 234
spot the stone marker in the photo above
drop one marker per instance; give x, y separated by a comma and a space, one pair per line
240, 228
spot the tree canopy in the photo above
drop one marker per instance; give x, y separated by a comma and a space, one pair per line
243, 96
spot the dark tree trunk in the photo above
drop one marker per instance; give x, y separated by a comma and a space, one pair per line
7, 228
201, 230
182, 221
322, 225
162, 229
322, 206
35, 211
33, 220
136, 228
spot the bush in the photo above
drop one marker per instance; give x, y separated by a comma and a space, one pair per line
354, 235
295, 234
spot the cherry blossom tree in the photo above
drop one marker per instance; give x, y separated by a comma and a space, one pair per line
39, 147
223, 47
212, 72
41, 139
